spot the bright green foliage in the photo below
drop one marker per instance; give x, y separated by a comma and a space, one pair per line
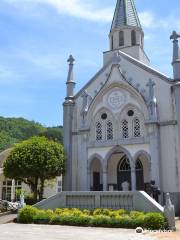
35, 160
14, 130
136, 214
26, 214
53, 133
6, 141
154, 220
98, 218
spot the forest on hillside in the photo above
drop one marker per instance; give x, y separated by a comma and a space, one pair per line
14, 130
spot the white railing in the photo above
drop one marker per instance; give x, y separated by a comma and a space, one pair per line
90, 200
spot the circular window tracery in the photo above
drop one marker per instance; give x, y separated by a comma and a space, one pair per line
130, 113
104, 116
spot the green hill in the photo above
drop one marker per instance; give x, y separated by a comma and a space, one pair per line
14, 130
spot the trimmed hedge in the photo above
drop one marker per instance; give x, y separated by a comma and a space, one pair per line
97, 218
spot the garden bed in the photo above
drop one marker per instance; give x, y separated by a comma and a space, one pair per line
97, 218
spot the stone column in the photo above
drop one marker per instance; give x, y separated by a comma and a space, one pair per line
133, 178
104, 180
88, 180
67, 123
155, 153
13, 190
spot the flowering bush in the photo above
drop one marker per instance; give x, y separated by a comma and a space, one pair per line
97, 218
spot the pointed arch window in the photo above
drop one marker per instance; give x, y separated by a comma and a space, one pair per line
124, 164
137, 127
139, 165
99, 131
109, 130
121, 38
133, 37
125, 129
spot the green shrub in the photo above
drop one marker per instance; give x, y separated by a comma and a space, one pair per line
98, 218
154, 221
43, 217
49, 212
101, 211
86, 212
121, 211
26, 214
71, 220
136, 214
58, 211
76, 212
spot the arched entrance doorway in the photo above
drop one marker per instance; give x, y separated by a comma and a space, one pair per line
123, 172
96, 175
139, 175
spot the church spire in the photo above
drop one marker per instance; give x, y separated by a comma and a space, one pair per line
125, 15
70, 79
126, 33
176, 55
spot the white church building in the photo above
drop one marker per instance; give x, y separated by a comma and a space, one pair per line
124, 124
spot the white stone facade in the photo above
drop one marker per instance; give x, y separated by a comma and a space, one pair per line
124, 125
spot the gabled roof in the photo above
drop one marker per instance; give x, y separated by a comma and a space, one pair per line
125, 15
133, 61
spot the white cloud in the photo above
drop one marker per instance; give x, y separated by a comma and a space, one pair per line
84, 9
150, 21
87, 9
8, 75
147, 19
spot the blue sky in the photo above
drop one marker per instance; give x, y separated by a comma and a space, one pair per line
37, 37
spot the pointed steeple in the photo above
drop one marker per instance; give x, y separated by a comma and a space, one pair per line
125, 15
126, 33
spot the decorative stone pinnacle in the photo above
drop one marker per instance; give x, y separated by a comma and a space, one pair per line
174, 36
71, 60
151, 85
116, 58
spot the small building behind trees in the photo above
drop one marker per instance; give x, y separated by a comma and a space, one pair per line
9, 188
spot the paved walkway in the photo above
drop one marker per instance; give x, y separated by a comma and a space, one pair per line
7, 218
13, 231
37, 232
169, 236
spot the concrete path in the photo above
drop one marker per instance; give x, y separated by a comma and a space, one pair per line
37, 232
168, 235
13, 231
7, 218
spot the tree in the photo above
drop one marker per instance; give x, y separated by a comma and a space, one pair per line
33, 161
6, 141
14, 130
53, 133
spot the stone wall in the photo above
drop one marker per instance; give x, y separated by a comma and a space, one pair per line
139, 201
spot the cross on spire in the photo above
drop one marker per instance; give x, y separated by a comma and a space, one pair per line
70, 77
174, 36
71, 60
